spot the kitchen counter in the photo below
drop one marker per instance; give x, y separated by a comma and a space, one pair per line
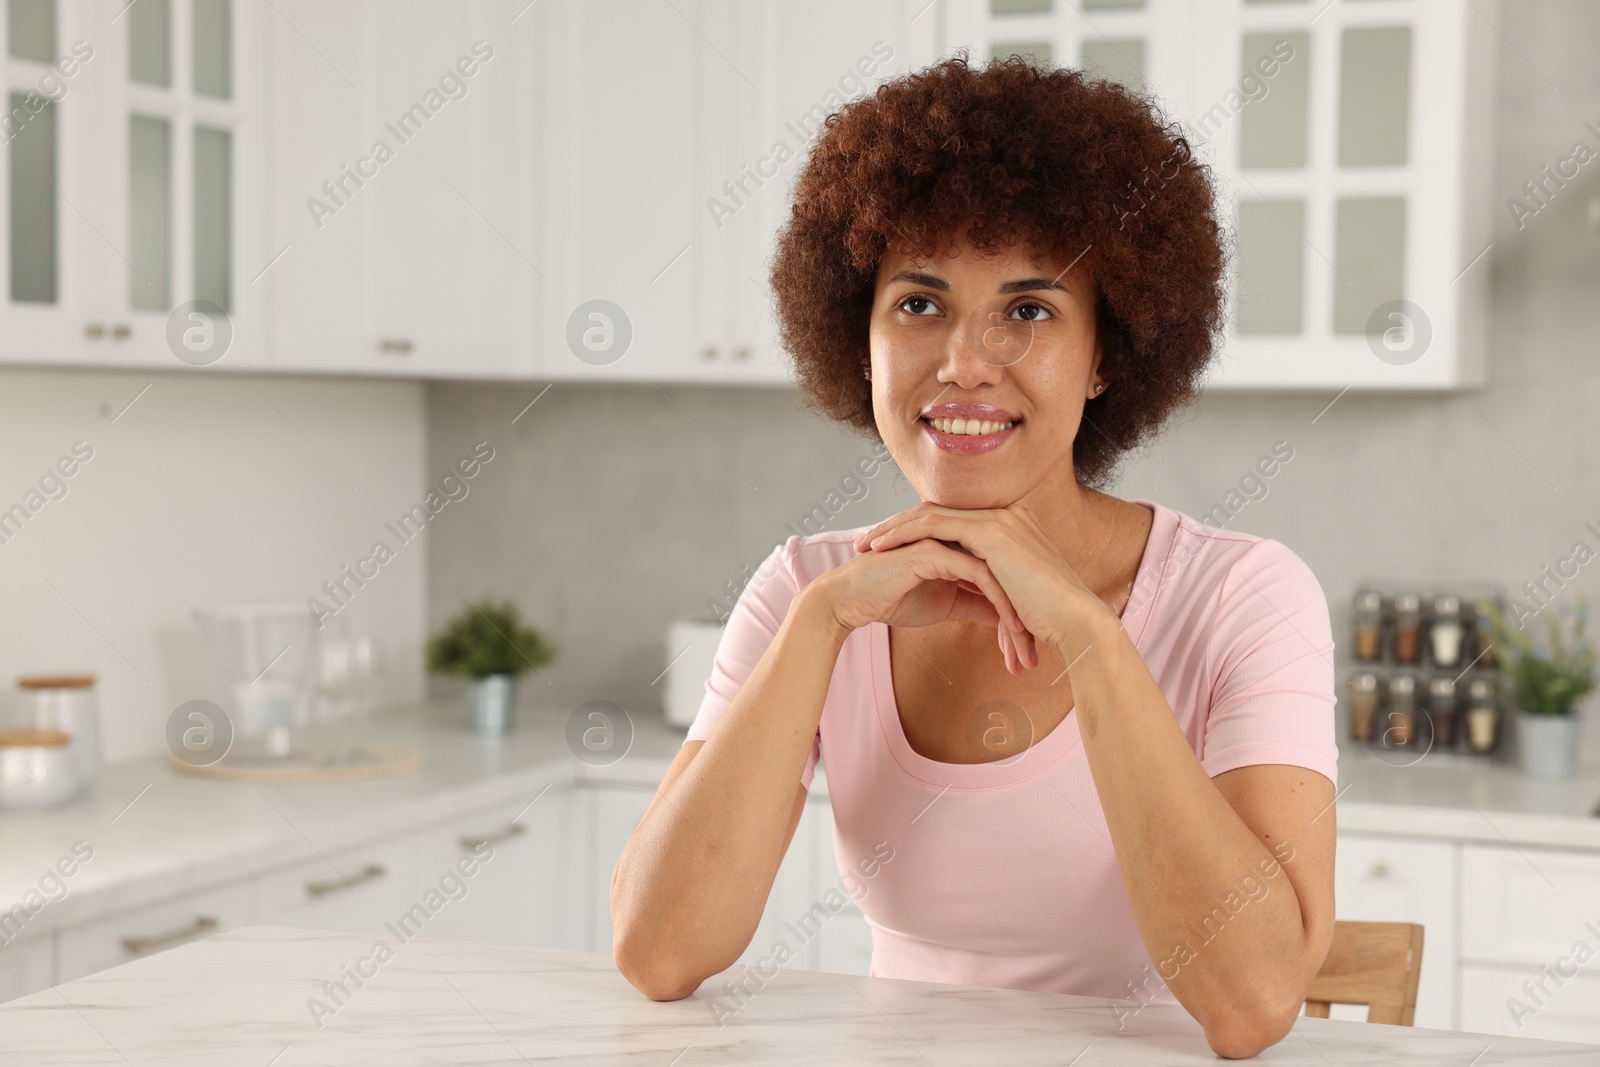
249, 996
157, 833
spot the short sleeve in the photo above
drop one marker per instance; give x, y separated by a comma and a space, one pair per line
1270, 657
751, 626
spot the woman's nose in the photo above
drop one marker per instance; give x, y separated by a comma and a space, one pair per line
984, 347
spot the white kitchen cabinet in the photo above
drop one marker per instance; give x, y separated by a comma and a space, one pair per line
1528, 905
360, 889
1391, 879
794, 891
796, 65
406, 198
632, 109
528, 891
1509, 1000
669, 211
118, 939
137, 188
613, 811
1351, 161
27, 965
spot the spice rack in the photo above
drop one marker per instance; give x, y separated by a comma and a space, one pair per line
1422, 675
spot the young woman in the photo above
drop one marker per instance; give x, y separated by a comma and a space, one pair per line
1093, 737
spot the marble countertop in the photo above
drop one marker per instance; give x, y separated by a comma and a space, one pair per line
250, 996
157, 833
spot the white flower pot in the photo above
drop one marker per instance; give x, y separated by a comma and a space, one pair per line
1549, 745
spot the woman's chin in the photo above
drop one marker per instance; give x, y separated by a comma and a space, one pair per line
970, 497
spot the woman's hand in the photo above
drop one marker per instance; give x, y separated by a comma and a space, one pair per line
918, 585
1053, 602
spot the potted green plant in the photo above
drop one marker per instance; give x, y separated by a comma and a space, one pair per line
488, 645
1547, 682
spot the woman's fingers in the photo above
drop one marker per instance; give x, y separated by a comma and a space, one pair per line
935, 561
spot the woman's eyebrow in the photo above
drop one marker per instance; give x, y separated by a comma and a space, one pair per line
1025, 285
933, 281
917, 277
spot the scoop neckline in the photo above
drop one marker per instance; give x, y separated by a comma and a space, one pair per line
1046, 753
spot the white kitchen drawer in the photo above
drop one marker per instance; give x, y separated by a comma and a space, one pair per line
25, 966
845, 944
357, 890
108, 942
613, 813
528, 890
794, 890
1570, 1011
1527, 905
1390, 879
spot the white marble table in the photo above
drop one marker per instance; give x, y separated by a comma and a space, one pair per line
244, 999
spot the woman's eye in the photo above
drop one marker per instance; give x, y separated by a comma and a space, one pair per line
918, 305
1031, 312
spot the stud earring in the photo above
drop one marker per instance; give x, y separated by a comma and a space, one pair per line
866, 371
1099, 387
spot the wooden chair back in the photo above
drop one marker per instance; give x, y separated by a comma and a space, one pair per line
1376, 964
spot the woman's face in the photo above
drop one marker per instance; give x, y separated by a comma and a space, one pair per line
980, 368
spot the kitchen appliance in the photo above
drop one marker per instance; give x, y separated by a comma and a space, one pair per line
66, 703
266, 656
38, 768
691, 648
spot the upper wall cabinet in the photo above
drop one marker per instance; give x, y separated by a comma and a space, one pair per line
406, 187
663, 212
133, 166
1350, 147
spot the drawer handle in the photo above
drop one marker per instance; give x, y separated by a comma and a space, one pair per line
1380, 869
366, 874
94, 331
121, 331
472, 844
402, 345
138, 946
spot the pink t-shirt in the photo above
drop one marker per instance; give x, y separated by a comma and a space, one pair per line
1003, 874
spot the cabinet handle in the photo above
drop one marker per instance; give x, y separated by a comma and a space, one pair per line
121, 332
94, 331
471, 844
397, 345
367, 874
742, 353
137, 946
1380, 869
709, 352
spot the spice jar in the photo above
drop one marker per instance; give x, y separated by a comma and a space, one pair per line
1445, 630
1483, 718
1442, 710
1402, 717
1407, 627
1483, 652
1369, 625
1363, 705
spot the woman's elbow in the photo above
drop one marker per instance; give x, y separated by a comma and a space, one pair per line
1238, 1033
653, 970
1239, 1039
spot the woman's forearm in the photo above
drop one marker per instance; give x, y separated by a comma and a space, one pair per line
692, 882
1185, 853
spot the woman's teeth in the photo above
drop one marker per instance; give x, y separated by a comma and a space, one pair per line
971, 427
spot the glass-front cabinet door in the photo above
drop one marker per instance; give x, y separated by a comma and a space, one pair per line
46, 298
1349, 151
182, 200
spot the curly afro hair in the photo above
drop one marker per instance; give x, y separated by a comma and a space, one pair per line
1050, 159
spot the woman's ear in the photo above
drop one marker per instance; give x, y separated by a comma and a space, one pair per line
1096, 384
